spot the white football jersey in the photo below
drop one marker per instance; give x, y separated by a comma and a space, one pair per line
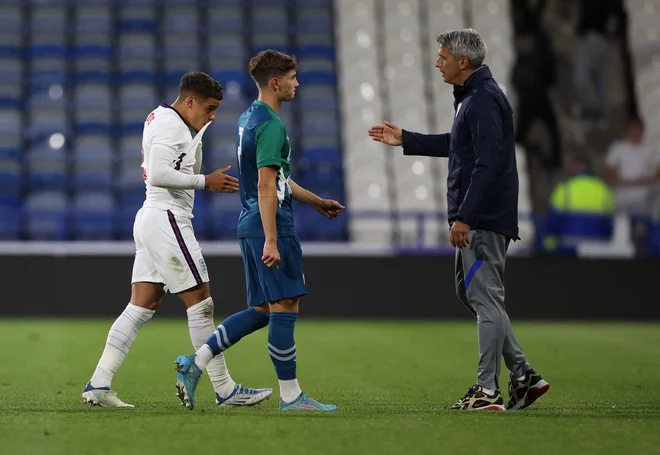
166, 129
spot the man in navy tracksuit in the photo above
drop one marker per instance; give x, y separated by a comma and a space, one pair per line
482, 201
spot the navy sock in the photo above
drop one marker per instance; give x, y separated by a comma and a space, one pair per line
234, 328
281, 345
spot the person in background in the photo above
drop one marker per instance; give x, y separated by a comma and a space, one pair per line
581, 209
632, 169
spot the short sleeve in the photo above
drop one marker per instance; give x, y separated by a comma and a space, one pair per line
612, 159
270, 138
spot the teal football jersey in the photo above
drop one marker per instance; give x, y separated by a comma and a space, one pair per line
262, 141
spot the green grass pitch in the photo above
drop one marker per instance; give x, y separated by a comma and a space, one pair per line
390, 379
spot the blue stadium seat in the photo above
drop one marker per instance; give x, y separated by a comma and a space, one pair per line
316, 3
182, 56
318, 97
125, 216
93, 121
48, 46
45, 122
224, 18
270, 19
132, 120
93, 20
137, 96
48, 19
11, 18
10, 221
223, 210
93, 216
314, 20
10, 121
317, 71
137, 71
92, 96
93, 46
137, 46
130, 176
322, 141
233, 97
320, 123
46, 167
182, 20
47, 98
316, 158
261, 3
201, 222
10, 144
10, 178
10, 44
311, 226
92, 70
48, 71
130, 146
227, 46
314, 45
134, 17
45, 215
226, 121
10, 96
11, 70
277, 41
225, 77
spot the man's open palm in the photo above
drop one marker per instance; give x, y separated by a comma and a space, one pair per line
388, 133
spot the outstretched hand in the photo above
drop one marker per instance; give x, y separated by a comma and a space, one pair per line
387, 133
219, 182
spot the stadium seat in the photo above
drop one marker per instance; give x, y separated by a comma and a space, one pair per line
132, 120
137, 96
137, 46
10, 121
278, 41
10, 44
47, 98
92, 96
200, 221
10, 178
223, 210
130, 203
43, 123
45, 72
11, 70
92, 71
93, 216
227, 46
269, 19
46, 167
48, 19
45, 215
134, 17
93, 20
93, 46
10, 144
225, 18
10, 96
11, 19
93, 121
315, 45
183, 20
48, 45
316, 71
318, 97
321, 123
10, 221
313, 20
136, 71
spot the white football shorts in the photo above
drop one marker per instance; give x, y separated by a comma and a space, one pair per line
166, 251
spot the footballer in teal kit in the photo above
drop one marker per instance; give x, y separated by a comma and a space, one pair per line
271, 250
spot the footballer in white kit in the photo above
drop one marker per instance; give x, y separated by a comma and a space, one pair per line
168, 256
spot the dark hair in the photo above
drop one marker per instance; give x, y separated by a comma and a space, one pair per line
270, 63
200, 84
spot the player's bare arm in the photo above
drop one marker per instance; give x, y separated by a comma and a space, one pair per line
267, 193
326, 207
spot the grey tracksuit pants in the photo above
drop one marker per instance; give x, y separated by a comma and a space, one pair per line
480, 287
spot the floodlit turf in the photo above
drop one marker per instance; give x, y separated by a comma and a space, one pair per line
389, 379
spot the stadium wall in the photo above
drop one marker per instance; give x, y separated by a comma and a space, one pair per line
339, 287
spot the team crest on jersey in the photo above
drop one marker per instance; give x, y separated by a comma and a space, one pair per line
202, 265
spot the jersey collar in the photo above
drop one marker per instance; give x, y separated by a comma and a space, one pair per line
180, 116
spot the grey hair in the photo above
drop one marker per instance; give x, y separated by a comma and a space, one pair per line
465, 43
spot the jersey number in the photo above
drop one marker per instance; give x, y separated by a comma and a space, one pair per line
177, 166
240, 146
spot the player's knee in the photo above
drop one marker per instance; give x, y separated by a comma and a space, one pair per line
264, 308
284, 306
147, 295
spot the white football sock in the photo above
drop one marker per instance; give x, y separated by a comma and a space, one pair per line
200, 325
490, 392
120, 338
520, 378
289, 390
